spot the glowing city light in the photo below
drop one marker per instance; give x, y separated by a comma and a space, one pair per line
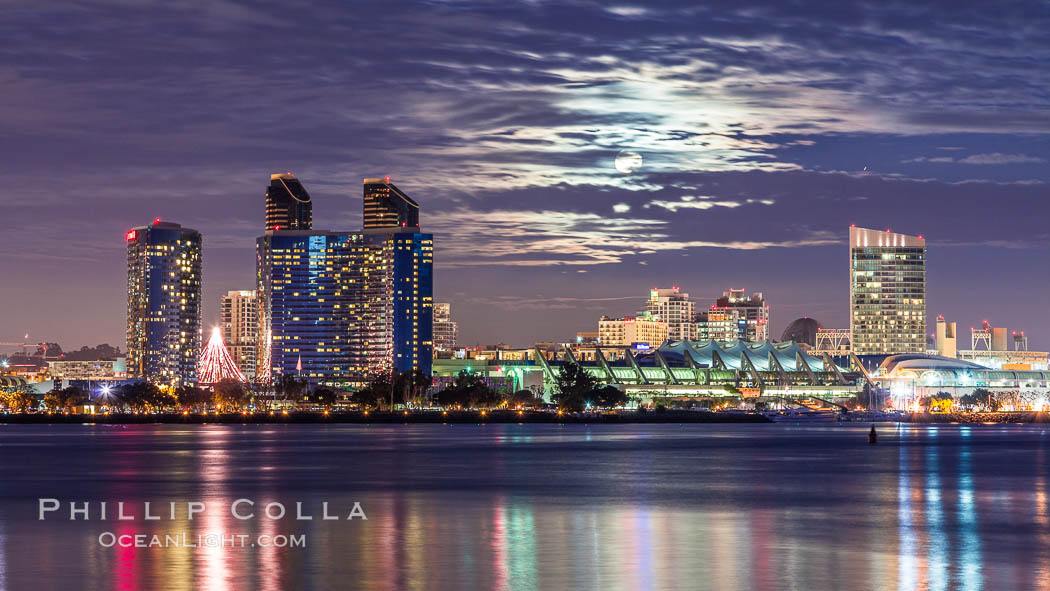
216, 364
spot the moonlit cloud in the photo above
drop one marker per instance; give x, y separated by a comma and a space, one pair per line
765, 131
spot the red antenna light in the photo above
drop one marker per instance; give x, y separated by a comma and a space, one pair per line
156, 221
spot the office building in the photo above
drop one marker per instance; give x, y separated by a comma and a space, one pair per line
887, 292
288, 205
338, 307
445, 330
631, 331
752, 309
674, 308
386, 206
164, 303
240, 329
411, 296
723, 325
314, 313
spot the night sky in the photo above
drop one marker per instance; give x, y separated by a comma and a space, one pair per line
764, 132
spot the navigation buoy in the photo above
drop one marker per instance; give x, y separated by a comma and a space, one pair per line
873, 437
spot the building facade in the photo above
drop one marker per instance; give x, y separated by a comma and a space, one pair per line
887, 292
674, 308
338, 307
164, 303
411, 296
288, 205
99, 370
445, 329
313, 307
722, 325
752, 309
240, 329
631, 330
386, 206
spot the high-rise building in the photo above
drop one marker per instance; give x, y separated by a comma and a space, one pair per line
674, 308
386, 206
445, 330
164, 303
314, 312
240, 329
288, 205
630, 331
411, 264
724, 325
337, 307
887, 292
753, 310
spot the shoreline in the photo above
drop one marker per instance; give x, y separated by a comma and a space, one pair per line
359, 417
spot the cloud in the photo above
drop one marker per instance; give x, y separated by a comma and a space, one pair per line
990, 158
998, 158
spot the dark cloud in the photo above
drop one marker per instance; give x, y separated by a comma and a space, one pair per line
765, 130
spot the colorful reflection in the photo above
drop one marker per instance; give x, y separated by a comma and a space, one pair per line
528, 507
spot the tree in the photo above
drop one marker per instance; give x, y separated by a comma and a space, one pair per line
288, 387
48, 350
229, 395
468, 391
412, 385
375, 393
105, 351
573, 386
65, 399
141, 396
324, 396
577, 389
610, 396
18, 399
939, 402
526, 398
192, 397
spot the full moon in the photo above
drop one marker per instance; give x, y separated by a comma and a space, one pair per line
628, 161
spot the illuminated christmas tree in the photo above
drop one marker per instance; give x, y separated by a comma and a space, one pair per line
216, 363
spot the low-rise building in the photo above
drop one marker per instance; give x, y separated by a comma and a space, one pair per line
631, 330
99, 370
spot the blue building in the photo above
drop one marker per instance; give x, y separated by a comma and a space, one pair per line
338, 307
412, 270
164, 303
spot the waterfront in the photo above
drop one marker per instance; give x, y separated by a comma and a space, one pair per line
535, 506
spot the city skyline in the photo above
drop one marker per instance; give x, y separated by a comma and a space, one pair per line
756, 151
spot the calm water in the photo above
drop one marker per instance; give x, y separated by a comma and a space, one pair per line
536, 506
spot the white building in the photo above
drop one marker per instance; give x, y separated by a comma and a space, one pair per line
628, 331
887, 292
445, 330
240, 329
674, 308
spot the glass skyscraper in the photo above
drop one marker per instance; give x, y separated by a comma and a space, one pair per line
887, 292
343, 306
164, 303
386, 206
288, 205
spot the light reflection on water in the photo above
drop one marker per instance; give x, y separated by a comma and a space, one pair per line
526, 507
